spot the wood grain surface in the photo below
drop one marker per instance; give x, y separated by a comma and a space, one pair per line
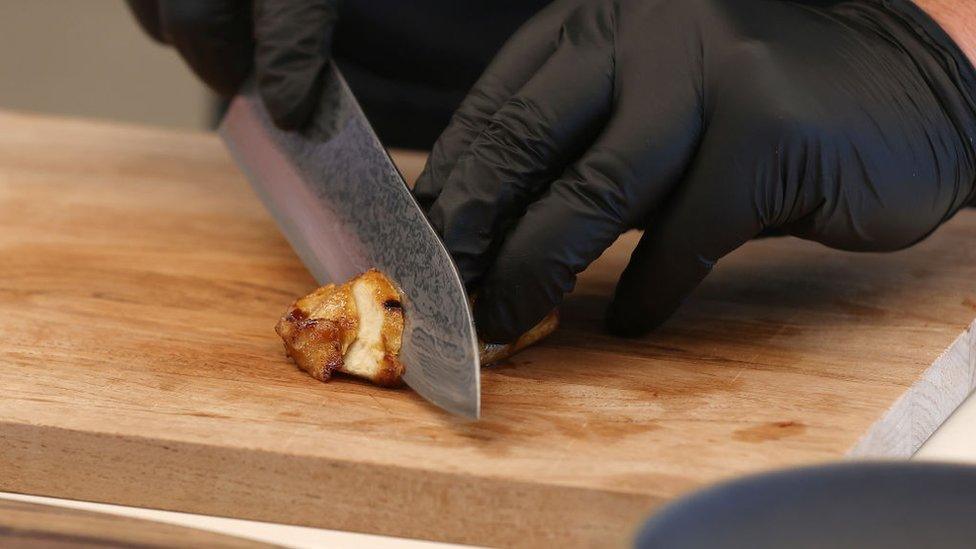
34, 525
140, 281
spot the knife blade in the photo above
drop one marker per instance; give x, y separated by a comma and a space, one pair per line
345, 208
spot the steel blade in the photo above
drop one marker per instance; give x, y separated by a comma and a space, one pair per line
345, 208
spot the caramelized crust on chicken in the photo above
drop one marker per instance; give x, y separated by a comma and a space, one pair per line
354, 328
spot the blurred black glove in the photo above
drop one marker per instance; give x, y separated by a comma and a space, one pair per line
287, 43
705, 122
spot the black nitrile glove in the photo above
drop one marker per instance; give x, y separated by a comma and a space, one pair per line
286, 42
705, 122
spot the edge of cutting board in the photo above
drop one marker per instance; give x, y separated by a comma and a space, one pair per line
927, 404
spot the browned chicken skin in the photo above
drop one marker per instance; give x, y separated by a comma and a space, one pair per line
354, 328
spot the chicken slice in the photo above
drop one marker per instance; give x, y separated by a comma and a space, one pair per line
354, 328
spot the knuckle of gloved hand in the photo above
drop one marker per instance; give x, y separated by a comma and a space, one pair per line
521, 132
605, 187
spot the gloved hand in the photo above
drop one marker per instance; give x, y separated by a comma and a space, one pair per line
705, 122
286, 42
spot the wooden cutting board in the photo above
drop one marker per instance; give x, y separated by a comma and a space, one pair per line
140, 280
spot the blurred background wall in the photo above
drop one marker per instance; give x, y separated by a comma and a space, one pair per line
89, 58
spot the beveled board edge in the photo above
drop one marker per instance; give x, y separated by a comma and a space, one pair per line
927, 404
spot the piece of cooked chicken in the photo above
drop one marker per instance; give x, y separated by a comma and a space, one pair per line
354, 328
357, 328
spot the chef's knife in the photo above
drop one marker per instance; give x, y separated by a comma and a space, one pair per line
345, 208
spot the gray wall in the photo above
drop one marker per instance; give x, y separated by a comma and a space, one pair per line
89, 58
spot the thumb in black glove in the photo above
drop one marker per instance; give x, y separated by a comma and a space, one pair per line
285, 43
706, 122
